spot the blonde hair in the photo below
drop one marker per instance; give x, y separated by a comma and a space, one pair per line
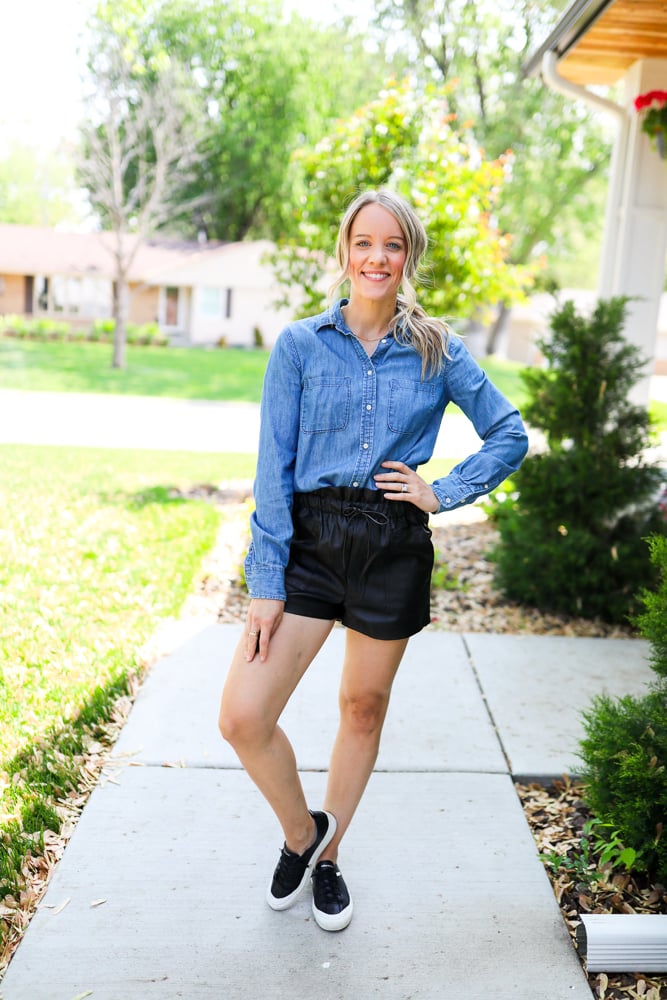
411, 325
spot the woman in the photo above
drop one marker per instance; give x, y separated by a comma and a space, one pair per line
351, 407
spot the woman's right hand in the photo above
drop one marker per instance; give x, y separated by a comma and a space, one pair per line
264, 617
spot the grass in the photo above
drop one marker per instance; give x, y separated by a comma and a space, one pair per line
95, 551
182, 373
658, 413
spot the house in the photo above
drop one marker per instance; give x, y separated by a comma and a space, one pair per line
621, 44
199, 293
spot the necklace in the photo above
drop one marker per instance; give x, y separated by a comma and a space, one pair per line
365, 340
369, 340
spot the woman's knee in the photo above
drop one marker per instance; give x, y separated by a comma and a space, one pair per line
243, 725
364, 713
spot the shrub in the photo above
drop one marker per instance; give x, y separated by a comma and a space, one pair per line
625, 772
102, 329
652, 622
35, 328
625, 745
148, 334
13, 325
572, 531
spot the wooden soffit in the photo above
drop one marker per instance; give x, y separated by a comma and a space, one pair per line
597, 41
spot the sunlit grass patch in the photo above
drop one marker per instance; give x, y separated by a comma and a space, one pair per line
97, 548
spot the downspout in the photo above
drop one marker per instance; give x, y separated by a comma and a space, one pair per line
556, 82
619, 942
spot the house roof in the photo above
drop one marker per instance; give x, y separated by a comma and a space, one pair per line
597, 41
39, 250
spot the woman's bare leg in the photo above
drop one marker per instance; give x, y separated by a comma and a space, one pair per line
368, 674
253, 699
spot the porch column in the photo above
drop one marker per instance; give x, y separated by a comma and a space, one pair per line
635, 243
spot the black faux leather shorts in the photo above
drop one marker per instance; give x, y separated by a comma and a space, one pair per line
361, 560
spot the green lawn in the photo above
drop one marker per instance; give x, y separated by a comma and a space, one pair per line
230, 375
95, 551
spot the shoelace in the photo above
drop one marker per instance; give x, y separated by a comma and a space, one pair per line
289, 866
327, 883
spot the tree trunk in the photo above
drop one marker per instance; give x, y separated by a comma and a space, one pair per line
497, 327
121, 306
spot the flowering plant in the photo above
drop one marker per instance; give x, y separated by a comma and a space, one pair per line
654, 105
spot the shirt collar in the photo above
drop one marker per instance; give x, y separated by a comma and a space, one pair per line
333, 317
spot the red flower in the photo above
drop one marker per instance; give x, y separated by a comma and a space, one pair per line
645, 100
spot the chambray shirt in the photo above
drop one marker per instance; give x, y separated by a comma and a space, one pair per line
330, 416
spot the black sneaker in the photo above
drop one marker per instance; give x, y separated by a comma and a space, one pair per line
332, 905
292, 870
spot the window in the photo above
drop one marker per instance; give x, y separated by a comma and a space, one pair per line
211, 302
58, 294
41, 293
86, 297
94, 297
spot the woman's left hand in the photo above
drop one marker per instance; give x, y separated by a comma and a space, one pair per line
402, 483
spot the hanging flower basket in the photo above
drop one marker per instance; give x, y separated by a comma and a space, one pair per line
653, 106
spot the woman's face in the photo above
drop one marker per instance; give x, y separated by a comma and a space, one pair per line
378, 250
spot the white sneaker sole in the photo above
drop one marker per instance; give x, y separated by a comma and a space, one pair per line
333, 921
284, 902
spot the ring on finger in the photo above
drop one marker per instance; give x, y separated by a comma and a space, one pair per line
404, 488
253, 632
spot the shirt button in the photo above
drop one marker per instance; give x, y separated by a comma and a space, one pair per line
447, 500
370, 371
355, 484
368, 406
365, 445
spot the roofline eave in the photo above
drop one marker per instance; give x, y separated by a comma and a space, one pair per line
574, 23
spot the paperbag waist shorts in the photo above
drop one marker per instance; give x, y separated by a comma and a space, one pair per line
362, 560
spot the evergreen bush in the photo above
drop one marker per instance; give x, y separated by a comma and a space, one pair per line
572, 532
624, 750
652, 622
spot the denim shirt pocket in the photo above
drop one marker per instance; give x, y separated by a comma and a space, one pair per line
409, 402
325, 403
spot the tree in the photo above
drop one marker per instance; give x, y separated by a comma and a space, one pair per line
554, 147
137, 147
266, 86
37, 188
405, 139
572, 528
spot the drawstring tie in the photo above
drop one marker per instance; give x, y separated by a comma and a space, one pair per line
376, 516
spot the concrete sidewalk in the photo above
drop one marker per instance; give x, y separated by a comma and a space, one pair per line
99, 421
107, 421
160, 894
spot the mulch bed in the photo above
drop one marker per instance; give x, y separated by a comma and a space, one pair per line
556, 815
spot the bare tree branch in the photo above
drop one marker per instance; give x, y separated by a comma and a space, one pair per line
137, 148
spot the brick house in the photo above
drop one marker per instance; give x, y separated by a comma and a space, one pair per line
198, 293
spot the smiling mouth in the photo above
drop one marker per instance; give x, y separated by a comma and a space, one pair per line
375, 275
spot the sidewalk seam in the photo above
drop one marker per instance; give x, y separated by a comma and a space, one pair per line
482, 693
